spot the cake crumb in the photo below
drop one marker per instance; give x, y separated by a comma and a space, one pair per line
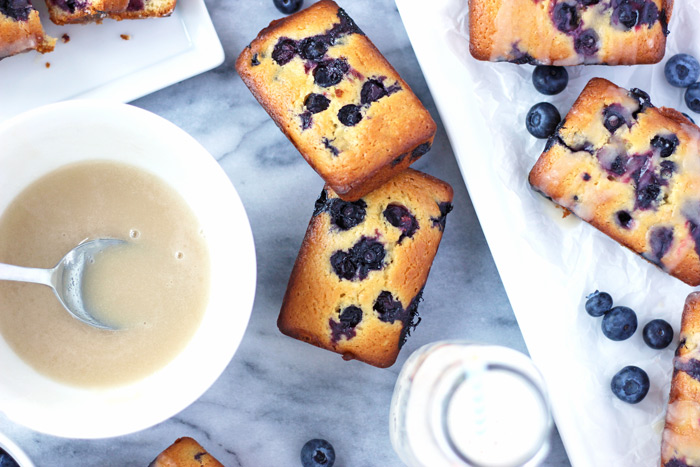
65, 38
48, 65
126, 37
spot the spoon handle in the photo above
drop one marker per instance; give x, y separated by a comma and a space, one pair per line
9, 272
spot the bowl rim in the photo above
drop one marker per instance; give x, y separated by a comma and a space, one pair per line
124, 117
15, 451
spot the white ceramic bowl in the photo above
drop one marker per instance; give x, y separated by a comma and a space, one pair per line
13, 450
39, 141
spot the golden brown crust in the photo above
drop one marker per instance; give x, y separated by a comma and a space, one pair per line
316, 294
151, 9
185, 452
681, 437
94, 11
367, 154
613, 163
523, 31
22, 36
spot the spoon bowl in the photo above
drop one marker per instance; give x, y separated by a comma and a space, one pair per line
66, 278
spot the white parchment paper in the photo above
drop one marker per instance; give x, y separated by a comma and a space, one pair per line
549, 264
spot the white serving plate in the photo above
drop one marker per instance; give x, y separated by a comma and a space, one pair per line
97, 63
549, 264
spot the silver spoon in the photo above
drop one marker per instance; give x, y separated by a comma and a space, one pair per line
66, 279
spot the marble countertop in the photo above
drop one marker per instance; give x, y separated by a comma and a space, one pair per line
277, 392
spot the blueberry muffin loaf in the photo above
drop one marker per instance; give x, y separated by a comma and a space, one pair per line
680, 446
185, 452
83, 11
336, 98
21, 30
632, 171
140, 9
359, 276
569, 32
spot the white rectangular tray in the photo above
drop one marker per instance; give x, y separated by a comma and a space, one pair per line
548, 264
97, 62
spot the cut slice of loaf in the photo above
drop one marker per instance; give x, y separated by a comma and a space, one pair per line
138, 9
21, 30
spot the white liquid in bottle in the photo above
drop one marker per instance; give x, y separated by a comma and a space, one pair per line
458, 404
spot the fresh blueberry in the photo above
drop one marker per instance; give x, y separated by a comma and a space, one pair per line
400, 217
625, 14
689, 118
6, 460
682, 70
542, 120
388, 308
317, 453
284, 51
566, 17
350, 115
372, 90
331, 72
288, 6
346, 214
586, 43
631, 384
619, 323
550, 80
692, 97
657, 334
598, 303
316, 103
312, 48
665, 144
624, 219
613, 118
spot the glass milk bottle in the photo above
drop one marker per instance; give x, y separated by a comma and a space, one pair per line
460, 404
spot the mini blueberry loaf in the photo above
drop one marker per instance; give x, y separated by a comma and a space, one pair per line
680, 446
140, 9
359, 276
21, 30
185, 452
569, 32
630, 170
83, 11
336, 98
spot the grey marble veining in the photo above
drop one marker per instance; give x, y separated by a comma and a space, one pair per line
278, 392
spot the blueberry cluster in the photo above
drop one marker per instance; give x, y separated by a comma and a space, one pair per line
543, 118
683, 71
354, 264
619, 323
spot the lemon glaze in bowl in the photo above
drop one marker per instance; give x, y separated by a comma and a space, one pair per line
40, 141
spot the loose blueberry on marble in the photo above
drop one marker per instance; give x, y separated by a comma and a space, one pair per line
619, 323
657, 334
542, 120
346, 214
665, 144
550, 80
331, 72
317, 453
682, 70
400, 217
316, 103
598, 303
692, 97
630, 384
6, 460
288, 6
350, 115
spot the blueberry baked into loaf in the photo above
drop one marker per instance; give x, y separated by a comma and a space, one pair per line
680, 446
360, 273
336, 98
21, 30
632, 171
569, 32
185, 452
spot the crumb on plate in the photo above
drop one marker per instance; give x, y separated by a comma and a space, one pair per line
126, 37
65, 38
